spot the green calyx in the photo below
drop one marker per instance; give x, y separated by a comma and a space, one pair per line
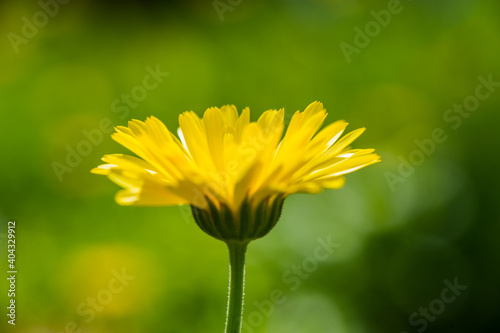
251, 221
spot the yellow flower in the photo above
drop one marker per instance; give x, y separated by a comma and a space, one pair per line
234, 173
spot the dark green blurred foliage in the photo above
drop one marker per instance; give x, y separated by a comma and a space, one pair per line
397, 244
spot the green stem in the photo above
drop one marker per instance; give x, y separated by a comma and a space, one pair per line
236, 286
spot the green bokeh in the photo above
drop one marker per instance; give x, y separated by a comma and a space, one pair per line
396, 241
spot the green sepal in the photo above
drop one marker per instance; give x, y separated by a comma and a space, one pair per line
251, 221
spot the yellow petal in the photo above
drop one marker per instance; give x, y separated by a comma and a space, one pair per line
149, 196
241, 124
345, 141
344, 166
213, 122
327, 137
230, 115
196, 140
158, 131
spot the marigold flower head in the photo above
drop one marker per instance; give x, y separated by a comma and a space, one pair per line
234, 173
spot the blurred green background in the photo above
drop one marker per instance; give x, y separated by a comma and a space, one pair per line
398, 234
